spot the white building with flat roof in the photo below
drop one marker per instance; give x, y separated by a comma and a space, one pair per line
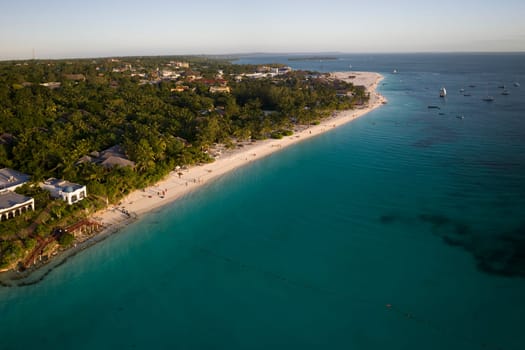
13, 204
11, 179
68, 191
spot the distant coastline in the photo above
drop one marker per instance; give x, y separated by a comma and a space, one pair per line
179, 183
313, 58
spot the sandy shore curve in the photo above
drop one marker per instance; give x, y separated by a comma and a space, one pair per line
180, 182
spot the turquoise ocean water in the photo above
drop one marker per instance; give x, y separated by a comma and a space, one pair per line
402, 230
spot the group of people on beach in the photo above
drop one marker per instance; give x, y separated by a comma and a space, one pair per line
124, 211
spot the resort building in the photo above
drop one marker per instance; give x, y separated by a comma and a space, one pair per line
52, 84
11, 179
220, 89
13, 204
68, 191
180, 88
109, 158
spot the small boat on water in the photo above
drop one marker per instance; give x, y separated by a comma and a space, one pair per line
460, 116
462, 90
433, 107
488, 97
442, 92
394, 71
467, 95
516, 84
505, 92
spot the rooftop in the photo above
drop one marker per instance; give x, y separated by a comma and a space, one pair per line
9, 199
111, 157
10, 177
63, 185
113, 161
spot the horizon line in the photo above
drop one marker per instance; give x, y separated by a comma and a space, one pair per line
255, 53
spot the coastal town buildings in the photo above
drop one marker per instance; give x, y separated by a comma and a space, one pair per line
169, 74
266, 72
68, 191
179, 64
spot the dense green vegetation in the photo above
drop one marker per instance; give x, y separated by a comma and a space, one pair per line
160, 123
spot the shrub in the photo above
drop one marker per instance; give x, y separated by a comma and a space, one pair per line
42, 230
66, 239
280, 133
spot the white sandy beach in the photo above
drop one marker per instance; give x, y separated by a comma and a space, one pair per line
176, 185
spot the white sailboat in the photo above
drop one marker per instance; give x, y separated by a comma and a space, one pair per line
442, 92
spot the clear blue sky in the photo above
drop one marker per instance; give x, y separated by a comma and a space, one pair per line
76, 28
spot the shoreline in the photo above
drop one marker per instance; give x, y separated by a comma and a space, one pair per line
174, 186
179, 183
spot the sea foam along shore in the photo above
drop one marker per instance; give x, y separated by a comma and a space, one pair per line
180, 182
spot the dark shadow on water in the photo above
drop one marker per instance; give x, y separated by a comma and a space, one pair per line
453, 241
504, 255
435, 219
437, 134
500, 253
389, 218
